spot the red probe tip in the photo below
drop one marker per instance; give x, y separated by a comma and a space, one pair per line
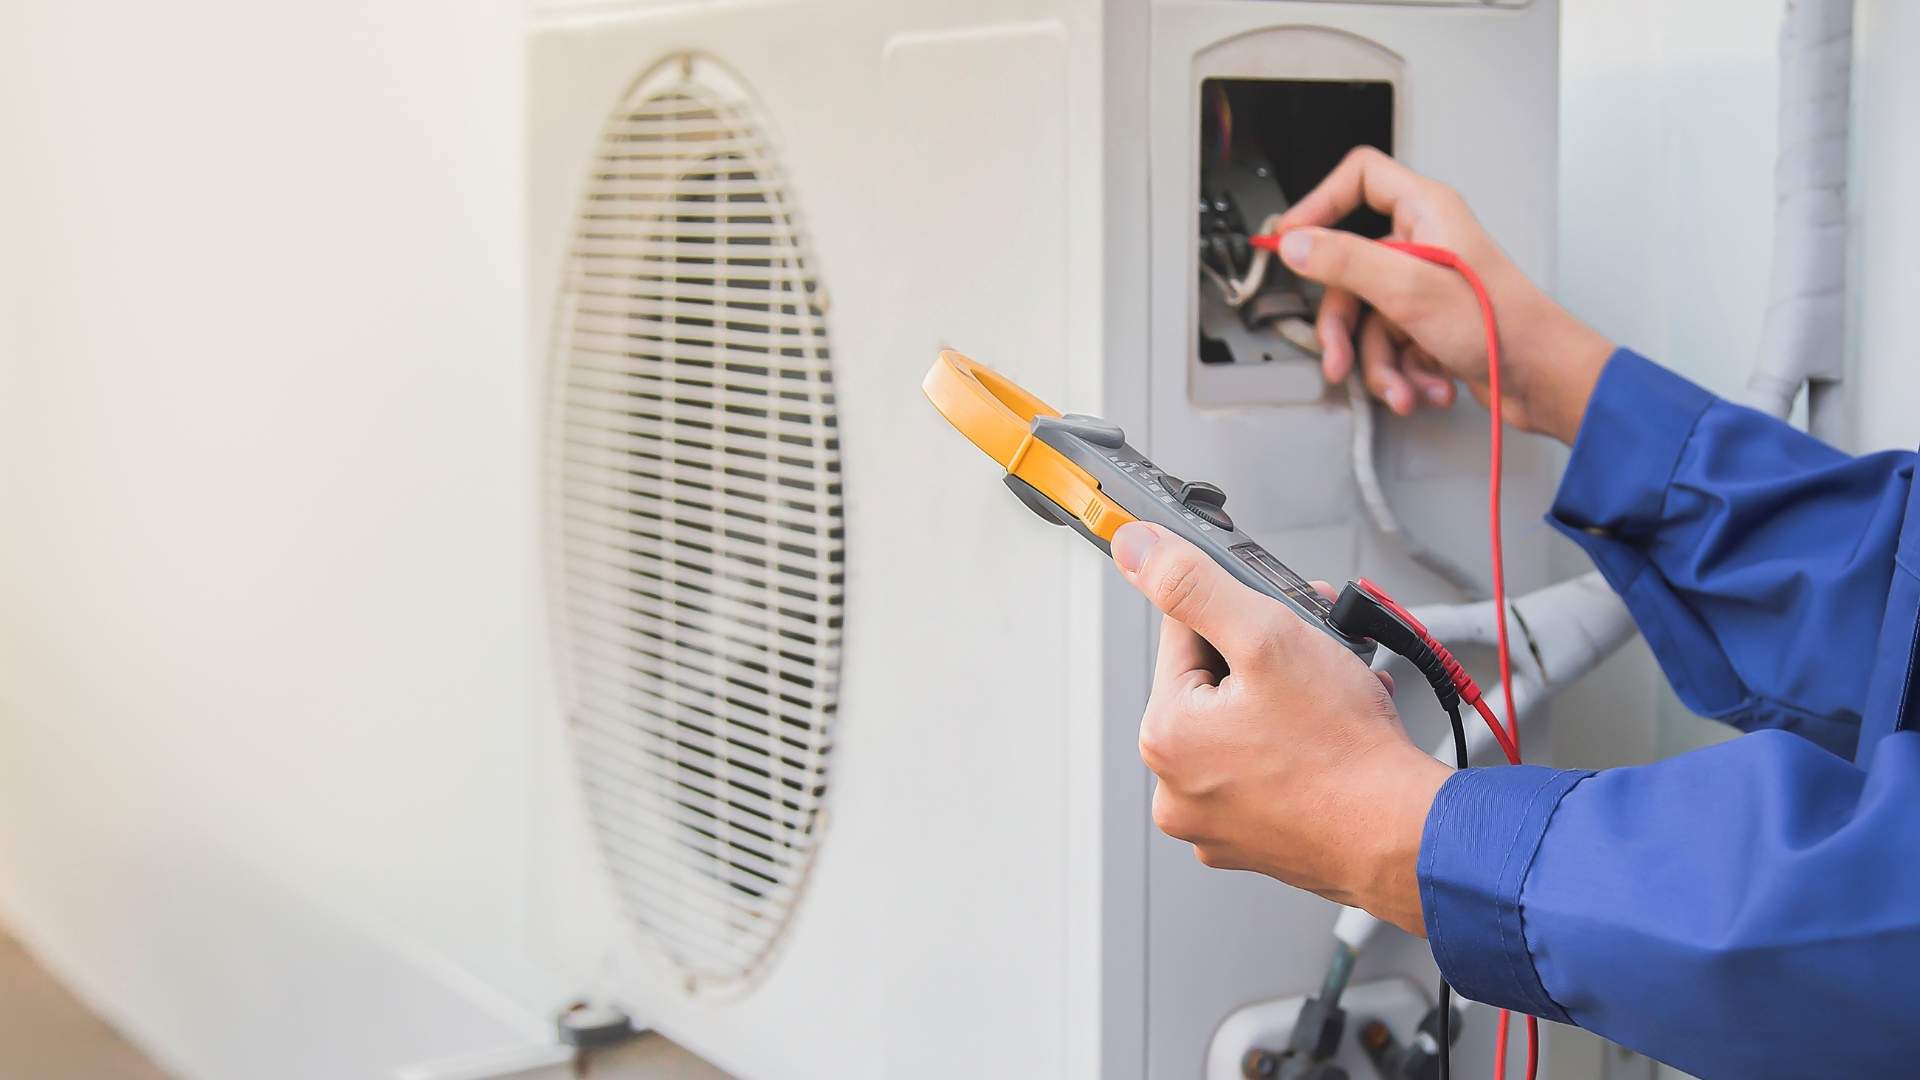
1265, 241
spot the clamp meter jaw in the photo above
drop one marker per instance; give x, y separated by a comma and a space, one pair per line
1080, 472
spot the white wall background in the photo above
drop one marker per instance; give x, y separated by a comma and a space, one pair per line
1668, 117
1885, 400
1667, 139
266, 589
1667, 146
1666, 176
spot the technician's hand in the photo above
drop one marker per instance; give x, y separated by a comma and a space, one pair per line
1423, 329
1288, 759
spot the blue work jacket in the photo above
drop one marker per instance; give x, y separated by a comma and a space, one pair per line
1751, 909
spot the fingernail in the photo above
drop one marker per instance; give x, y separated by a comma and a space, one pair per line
1399, 399
1437, 395
1295, 247
1131, 542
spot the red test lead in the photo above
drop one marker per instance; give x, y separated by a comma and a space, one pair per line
1508, 737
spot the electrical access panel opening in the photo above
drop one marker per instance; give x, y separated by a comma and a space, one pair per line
1265, 143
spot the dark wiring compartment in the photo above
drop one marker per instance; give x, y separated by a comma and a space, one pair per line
1263, 144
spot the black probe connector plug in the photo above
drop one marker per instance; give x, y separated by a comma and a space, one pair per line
1363, 611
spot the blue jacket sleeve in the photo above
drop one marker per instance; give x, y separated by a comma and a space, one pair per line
1755, 559
1747, 910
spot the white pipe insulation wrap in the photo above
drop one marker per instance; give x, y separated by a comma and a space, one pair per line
1472, 623
1801, 338
1562, 630
1572, 626
1560, 633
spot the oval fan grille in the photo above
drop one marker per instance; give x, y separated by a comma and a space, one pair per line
699, 524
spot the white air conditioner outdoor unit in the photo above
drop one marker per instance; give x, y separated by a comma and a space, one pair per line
841, 779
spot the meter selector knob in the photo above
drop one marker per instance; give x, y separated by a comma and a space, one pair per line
1207, 502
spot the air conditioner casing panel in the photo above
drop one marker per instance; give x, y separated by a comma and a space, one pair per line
987, 896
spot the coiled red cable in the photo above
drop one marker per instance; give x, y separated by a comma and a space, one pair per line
1443, 257
1507, 736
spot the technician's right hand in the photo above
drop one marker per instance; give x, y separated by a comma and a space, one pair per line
1288, 758
1422, 328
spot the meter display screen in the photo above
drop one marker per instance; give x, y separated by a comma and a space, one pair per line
1288, 582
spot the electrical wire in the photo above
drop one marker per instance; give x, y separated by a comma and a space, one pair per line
1501, 1042
1443, 257
1446, 990
1236, 291
1228, 286
1245, 288
1301, 335
1509, 739
1373, 496
1470, 691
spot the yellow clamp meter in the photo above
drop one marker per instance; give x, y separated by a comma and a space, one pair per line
1078, 471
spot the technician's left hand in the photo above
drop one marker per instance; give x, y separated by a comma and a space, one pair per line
1288, 758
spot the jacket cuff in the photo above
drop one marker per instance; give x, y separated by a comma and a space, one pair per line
1480, 839
1637, 422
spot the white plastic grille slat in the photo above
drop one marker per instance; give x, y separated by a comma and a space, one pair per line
688, 413
621, 152
748, 861
715, 806
754, 329
706, 701
630, 227
636, 824
760, 862
637, 593
697, 904
697, 525
784, 323
731, 463
691, 127
618, 539
638, 750
599, 216
772, 717
747, 500
653, 329
688, 914
756, 374
639, 744
689, 299
611, 235
735, 394
637, 583
609, 186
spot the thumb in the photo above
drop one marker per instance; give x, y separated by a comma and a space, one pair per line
1193, 590
1399, 286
